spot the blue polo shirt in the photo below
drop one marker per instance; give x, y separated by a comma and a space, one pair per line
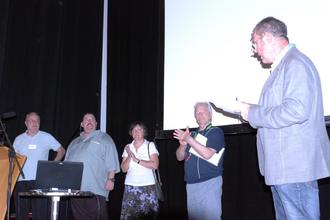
199, 170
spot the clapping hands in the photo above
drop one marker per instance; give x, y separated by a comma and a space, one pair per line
130, 153
182, 136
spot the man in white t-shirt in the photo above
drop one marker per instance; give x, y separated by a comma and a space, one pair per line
35, 145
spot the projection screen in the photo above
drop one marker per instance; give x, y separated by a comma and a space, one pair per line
208, 52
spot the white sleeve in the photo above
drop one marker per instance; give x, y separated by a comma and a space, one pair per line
153, 149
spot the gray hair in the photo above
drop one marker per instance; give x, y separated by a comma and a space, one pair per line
271, 25
206, 104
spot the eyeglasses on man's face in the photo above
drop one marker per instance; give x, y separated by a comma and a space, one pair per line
256, 40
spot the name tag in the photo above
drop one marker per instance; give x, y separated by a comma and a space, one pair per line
32, 146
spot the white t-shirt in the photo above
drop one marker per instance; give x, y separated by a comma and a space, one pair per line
138, 175
34, 148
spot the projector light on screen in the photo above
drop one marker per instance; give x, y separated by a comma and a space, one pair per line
208, 52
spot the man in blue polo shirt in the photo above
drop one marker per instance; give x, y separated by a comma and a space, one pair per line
203, 178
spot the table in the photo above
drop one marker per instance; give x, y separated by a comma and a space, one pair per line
55, 196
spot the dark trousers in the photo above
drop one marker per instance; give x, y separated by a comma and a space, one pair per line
90, 208
23, 205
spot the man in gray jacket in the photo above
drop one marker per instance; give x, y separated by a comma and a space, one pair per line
292, 142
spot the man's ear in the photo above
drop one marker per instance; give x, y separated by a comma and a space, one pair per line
267, 37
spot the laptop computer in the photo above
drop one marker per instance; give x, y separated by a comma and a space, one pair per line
58, 175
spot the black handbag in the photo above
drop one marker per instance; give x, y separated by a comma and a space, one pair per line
158, 182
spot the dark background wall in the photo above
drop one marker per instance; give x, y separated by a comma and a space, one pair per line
245, 195
50, 62
50, 53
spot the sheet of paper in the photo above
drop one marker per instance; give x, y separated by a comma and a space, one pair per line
201, 139
215, 158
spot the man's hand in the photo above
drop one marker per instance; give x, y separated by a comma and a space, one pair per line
181, 135
109, 184
243, 108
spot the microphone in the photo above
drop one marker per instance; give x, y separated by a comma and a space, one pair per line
7, 115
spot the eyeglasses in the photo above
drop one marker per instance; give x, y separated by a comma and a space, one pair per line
254, 47
255, 43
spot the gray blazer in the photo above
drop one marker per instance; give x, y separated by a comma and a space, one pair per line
292, 142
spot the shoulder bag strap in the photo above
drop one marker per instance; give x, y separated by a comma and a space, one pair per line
157, 178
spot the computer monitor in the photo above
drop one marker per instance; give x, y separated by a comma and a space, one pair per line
59, 175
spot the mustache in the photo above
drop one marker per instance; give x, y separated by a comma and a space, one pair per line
88, 124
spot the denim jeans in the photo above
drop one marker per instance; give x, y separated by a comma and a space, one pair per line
296, 201
204, 199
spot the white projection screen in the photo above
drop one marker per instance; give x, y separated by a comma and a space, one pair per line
208, 52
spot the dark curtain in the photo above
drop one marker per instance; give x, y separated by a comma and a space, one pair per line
135, 79
3, 32
136, 65
245, 195
50, 63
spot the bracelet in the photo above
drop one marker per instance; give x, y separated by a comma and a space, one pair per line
138, 161
111, 179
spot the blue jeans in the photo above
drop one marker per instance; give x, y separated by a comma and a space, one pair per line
296, 201
204, 199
